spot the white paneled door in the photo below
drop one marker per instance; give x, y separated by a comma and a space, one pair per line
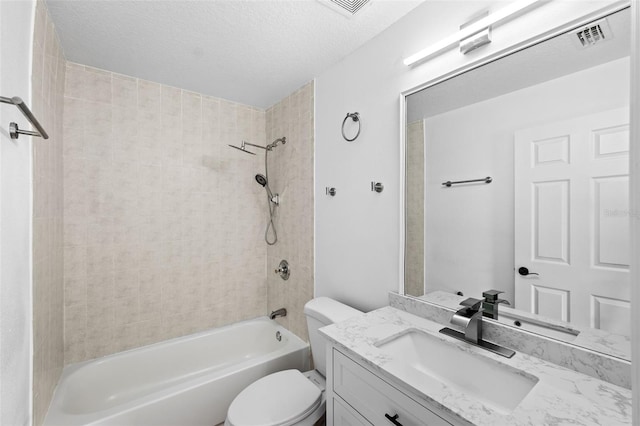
572, 220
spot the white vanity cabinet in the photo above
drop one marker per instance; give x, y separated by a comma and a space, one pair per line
357, 396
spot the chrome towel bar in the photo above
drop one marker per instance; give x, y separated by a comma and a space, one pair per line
448, 183
14, 131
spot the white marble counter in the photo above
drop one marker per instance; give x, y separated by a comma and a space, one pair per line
561, 396
593, 363
615, 345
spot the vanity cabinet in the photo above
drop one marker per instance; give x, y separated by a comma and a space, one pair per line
357, 396
344, 415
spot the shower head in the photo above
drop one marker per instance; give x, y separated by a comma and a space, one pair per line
261, 180
242, 148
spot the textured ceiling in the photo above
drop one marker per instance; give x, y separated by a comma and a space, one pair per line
254, 52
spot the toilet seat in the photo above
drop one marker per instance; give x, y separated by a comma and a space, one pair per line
279, 399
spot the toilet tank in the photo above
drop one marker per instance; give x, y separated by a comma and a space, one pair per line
323, 311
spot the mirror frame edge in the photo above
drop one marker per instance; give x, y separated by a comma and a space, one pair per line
634, 173
613, 8
634, 154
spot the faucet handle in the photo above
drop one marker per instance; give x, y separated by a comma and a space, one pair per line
471, 303
491, 295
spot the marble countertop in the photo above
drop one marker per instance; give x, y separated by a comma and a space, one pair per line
561, 396
611, 344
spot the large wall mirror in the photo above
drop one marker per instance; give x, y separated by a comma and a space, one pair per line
549, 125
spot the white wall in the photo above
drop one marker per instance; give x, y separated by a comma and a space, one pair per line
16, 29
357, 231
634, 206
469, 231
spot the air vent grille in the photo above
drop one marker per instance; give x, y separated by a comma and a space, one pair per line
351, 6
593, 33
345, 7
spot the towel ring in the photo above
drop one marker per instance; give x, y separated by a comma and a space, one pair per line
355, 116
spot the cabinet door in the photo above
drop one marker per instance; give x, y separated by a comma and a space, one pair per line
343, 415
376, 400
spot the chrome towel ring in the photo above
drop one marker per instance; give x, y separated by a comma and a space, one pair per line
355, 116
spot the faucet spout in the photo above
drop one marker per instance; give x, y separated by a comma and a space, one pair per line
470, 319
282, 312
491, 302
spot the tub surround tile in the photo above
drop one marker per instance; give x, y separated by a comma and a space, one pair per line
49, 287
164, 224
143, 221
414, 252
291, 176
595, 364
560, 396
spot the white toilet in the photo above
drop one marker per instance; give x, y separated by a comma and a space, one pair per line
290, 397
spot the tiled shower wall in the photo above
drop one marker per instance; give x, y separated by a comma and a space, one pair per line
291, 175
47, 80
414, 250
163, 222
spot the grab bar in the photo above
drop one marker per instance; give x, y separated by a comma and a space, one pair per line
448, 183
14, 131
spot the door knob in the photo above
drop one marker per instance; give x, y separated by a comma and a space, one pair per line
525, 271
393, 419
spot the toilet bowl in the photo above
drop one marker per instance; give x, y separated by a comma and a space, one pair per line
280, 399
291, 397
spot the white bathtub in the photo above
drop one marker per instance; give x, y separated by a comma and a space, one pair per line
181, 382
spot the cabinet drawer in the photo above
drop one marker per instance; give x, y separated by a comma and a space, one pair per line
343, 415
372, 397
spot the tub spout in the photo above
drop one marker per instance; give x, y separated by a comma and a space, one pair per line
282, 312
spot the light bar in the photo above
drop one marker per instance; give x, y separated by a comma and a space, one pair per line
479, 25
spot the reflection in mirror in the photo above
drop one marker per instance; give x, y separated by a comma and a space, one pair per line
549, 125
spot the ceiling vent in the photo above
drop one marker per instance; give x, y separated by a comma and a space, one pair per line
347, 8
594, 33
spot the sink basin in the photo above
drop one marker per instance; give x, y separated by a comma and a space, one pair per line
429, 362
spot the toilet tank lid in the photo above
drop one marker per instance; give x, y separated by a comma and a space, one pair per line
329, 311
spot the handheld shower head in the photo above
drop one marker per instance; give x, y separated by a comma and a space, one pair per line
262, 180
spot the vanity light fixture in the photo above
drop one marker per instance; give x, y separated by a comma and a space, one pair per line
470, 30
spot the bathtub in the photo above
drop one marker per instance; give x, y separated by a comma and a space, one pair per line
181, 382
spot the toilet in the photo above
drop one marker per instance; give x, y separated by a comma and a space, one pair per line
291, 397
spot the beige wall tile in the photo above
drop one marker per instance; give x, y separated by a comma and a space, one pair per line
414, 265
156, 203
291, 171
49, 229
50, 290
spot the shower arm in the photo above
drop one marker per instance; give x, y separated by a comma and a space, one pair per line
252, 144
269, 147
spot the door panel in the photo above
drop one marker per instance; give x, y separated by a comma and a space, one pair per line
572, 220
551, 221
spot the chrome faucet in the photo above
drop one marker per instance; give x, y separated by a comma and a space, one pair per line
470, 318
282, 312
491, 302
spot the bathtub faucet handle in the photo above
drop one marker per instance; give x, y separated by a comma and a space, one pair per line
283, 270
